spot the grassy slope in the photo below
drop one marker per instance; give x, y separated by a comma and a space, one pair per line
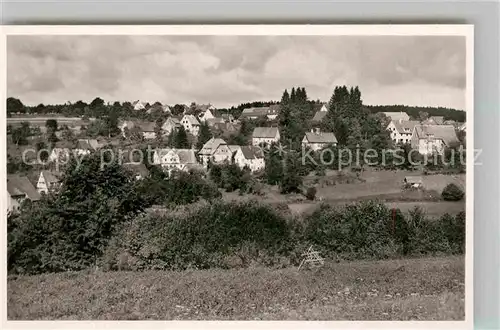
413, 289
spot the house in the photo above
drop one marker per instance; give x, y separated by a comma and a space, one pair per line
138, 105
265, 135
19, 189
139, 170
148, 129
128, 124
59, 154
228, 118
250, 156
215, 121
320, 112
191, 124
170, 159
270, 112
462, 127
215, 150
413, 181
86, 146
401, 131
234, 148
48, 182
428, 139
205, 114
434, 120
171, 124
318, 140
397, 116
166, 108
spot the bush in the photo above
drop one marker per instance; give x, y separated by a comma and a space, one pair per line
452, 193
311, 193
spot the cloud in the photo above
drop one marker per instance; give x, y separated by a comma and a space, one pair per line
228, 70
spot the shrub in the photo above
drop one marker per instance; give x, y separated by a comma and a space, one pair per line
311, 193
452, 193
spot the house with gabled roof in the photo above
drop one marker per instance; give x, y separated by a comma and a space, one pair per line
139, 105
48, 182
148, 129
434, 120
215, 150
265, 135
270, 113
319, 113
19, 189
191, 124
251, 157
318, 140
401, 130
205, 114
60, 154
212, 122
397, 116
170, 124
175, 159
429, 139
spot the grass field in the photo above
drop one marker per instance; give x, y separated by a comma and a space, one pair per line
412, 289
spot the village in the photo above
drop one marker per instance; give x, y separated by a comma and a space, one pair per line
431, 135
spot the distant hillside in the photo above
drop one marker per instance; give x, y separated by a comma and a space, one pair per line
412, 111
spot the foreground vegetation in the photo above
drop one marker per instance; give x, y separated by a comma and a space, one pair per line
412, 289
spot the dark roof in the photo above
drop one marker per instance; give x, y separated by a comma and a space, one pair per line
264, 132
21, 186
321, 137
319, 115
405, 126
84, 145
444, 132
317, 107
50, 177
252, 152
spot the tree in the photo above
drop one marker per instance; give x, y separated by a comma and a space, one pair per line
41, 149
177, 109
15, 105
20, 134
51, 125
181, 139
204, 135
452, 193
291, 180
274, 166
423, 116
96, 103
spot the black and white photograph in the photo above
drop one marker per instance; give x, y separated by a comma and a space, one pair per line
226, 173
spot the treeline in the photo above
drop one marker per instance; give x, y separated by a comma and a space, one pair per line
414, 112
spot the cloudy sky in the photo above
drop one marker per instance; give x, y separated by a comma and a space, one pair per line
228, 70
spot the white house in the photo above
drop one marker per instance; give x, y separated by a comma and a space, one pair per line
48, 182
170, 159
434, 120
138, 105
170, 125
270, 113
318, 140
205, 114
428, 139
266, 135
397, 116
401, 131
215, 150
191, 124
250, 156
19, 189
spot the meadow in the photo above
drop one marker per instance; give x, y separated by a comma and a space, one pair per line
409, 289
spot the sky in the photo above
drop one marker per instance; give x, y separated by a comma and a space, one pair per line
229, 70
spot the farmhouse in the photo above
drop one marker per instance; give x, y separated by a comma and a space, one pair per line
48, 182
214, 121
170, 159
128, 124
317, 141
191, 124
139, 170
401, 130
215, 150
397, 116
265, 135
428, 139
270, 112
19, 189
170, 124
250, 156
